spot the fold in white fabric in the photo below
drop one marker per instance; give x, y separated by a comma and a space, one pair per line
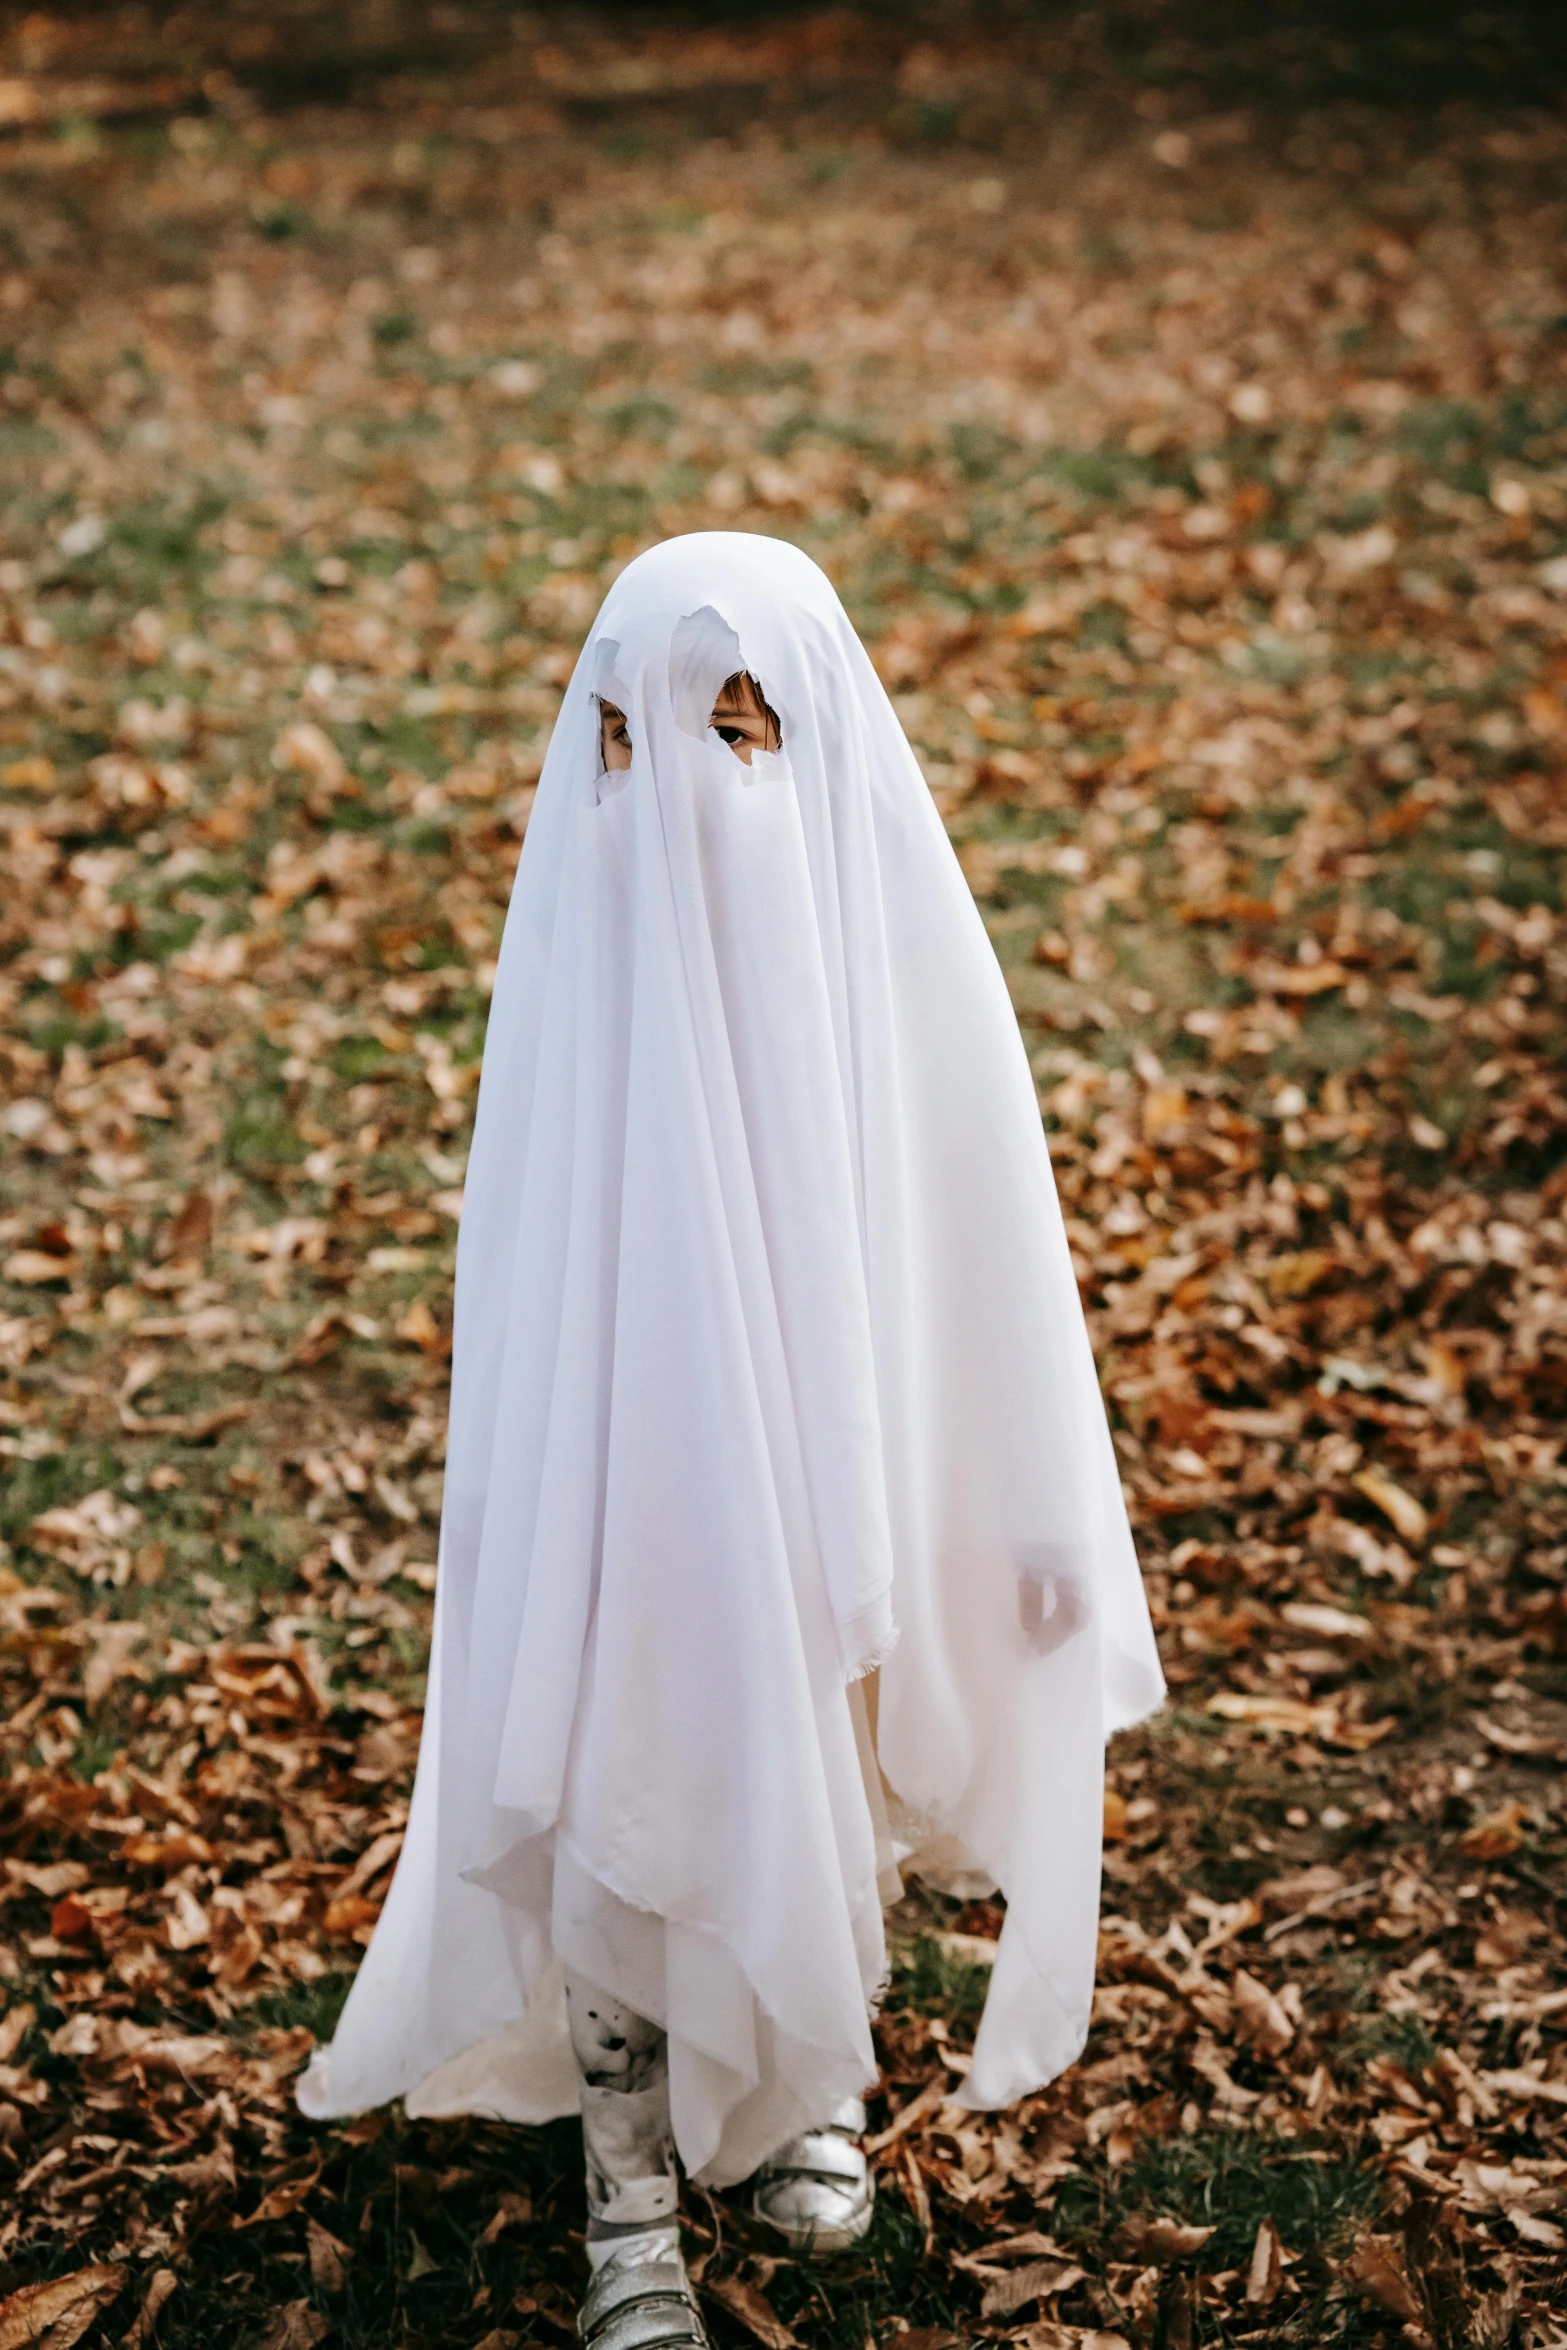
769, 1370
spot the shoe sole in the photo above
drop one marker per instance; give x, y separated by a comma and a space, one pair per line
808, 2241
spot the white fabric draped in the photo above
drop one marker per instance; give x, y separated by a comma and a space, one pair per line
769, 1369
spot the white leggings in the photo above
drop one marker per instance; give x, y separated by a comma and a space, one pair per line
623, 2061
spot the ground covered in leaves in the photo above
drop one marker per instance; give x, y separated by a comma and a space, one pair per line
1183, 415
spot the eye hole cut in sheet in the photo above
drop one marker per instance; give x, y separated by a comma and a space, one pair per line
710, 686
607, 685
713, 690
704, 653
609, 694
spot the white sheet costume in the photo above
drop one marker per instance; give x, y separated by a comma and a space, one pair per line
769, 1369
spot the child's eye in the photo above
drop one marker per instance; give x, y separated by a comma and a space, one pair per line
730, 734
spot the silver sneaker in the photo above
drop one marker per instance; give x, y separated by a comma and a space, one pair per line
640, 2298
818, 2192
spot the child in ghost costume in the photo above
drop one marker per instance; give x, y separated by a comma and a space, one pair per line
783, 1537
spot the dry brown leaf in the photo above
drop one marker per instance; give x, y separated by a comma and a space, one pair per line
34, 774
1458, 2085
305, 749
967, 1949
162, 2285
182, 2056
1031, 2244
908, 2117
1401, 1509
370, 1863
912, 2180
15, 2024
285, 2198
754, 2311
1171, 2239
30, 1267
1299, 1275
419, 1327
1259, 2018
322, 1336
1329, 1623
1158, 2240
1521, 2086
1501, 1832
349, 1914
1297, 979
1266, 2270
328, 2256
511, 2211
1289, 1714
113, 1646
1040, 2280
295, 2327
1050, 2335
1165, 1112
210, 2174
55, 2315
1375, 2270
190, 1234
